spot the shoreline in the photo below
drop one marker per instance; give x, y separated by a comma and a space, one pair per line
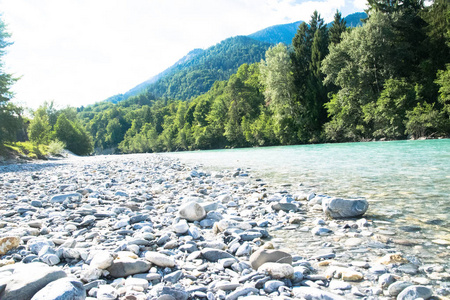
128, 206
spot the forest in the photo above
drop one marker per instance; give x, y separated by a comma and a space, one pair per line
385, 80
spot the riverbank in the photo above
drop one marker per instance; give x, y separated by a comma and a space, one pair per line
111, 226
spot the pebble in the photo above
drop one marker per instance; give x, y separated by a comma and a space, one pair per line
149, 227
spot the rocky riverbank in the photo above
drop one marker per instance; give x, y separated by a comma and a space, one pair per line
148, 227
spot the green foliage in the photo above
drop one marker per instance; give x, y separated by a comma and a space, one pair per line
10, 114
39, 130
26, 149
425, 121
389, 112
443, 80
338, 27
56, 147
277, 78
73, 135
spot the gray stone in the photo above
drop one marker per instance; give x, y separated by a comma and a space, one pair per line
138, 218
262, 256
174, 276
36, 203
48, 255
344, 208
126, 266
285, 206
137, 282
339, 285
277, 270
73, 197
209, 206
214, 255
386, 280
106, 292
192, 211
396, 287
414, 292
88, 220
272, 286
319, 230
250, 235
175, 293
27, 279
311, 293
62, 289
194, 232
181, 227
102, 260
159, 259
36, 244
244, 250
227, 286
241, 292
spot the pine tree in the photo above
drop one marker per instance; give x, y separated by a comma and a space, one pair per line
339, 26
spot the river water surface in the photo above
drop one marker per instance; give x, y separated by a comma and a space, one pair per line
407, 183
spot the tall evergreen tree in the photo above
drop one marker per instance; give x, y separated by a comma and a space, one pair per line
310, 48
337, 28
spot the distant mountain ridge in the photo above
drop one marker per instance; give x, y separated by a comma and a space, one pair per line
285, 33
197, 71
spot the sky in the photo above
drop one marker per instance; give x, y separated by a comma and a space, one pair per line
78, 52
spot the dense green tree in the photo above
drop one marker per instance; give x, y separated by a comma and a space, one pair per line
39, 130
443, 80
358, 65
338, 27
425, 121
388, 113
73, 135
277, 78
310, 48
10, 114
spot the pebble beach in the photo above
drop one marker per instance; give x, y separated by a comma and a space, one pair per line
147, 226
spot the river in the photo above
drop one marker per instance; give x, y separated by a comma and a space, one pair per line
407, 183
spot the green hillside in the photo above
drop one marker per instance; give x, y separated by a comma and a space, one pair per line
197, 75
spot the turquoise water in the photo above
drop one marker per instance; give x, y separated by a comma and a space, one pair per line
406, 182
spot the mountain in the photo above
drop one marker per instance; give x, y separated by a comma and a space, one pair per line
277, 34
196, 72
354, 20
285, 33
143, 86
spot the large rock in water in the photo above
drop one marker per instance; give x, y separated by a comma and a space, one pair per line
192, 211
344, 208
25, 280
62, 289
262, 256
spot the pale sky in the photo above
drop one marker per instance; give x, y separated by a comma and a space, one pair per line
78, 52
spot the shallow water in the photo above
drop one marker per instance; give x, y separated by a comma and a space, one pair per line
406, 182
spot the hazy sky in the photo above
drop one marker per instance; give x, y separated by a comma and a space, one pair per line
78, 52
